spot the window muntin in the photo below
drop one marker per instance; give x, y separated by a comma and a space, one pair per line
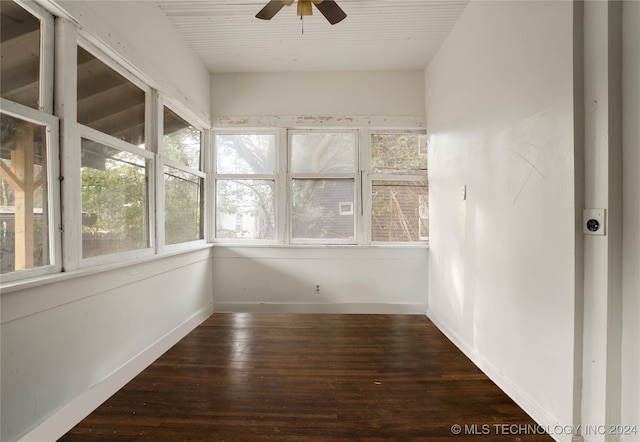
21, 59
183, 202
245, 209
181, 141
115, 194
318, 209
245, 154
109, 102
24, 195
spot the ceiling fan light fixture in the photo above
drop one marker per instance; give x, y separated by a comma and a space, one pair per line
305, 8
329, 8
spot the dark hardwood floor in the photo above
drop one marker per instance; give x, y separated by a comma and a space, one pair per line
281, 377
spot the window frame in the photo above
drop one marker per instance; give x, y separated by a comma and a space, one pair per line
43, 116
362, 188
160, 220
369, 178
46, 69
51, 124
292, 176
76, 259
279, 192
88, 133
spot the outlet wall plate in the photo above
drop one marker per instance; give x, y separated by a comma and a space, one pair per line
594, 222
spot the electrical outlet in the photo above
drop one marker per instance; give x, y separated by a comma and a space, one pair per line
594, 221
317, 288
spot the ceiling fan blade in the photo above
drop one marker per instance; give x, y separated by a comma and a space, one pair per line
331, 11
270, 10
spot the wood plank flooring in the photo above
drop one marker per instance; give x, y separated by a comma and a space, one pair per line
282, 377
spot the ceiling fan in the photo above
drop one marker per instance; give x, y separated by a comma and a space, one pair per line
329, 8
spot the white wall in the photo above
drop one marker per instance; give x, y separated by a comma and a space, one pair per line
389, 93
499, 111
70, 343
631, 222
141, 33
352, 280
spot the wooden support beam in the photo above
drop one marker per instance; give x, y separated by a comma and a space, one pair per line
7, 174
22, 168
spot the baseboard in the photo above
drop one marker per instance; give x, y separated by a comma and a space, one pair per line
556, 429
59, 423
336, 308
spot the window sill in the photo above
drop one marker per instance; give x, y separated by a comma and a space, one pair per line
28, 283
321, 246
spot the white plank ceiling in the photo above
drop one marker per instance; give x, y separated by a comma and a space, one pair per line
376, 35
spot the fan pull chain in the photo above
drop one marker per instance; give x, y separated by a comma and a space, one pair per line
302, 23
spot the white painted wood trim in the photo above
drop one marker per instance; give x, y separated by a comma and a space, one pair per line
66, 110
51, 124
317, 121
328, 308
108, 140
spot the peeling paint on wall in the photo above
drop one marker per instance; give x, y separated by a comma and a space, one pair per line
321, 121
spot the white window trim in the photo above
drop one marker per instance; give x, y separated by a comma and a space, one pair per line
363, 192
51, 123
107, 140
148, 153
291, 176
277, 176
43, 116
369, 178
162, 102
45, 99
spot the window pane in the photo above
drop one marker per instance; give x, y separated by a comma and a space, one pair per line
400, 154
323, 152
399, 211
323, 209
20, 61
245, 209
114, 200
183, 206
108, 102
181, 140
24, 229
246, 153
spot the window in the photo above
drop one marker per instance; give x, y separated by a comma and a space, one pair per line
323, 174
29, 237
21, 61
134, 168
329, 174
108, 102
183, 180
24, 226
246, 186
399, 190
114, 200
116, 178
